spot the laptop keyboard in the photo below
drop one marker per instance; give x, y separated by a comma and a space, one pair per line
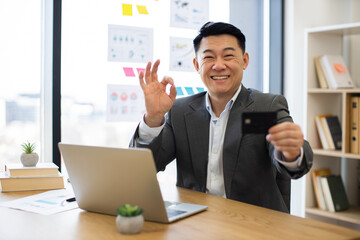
172, 212
170, 204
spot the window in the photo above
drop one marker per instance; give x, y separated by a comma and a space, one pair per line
26, 100
93, 69
262, 23
20, 58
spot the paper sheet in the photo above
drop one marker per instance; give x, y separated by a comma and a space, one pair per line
181, 54
124, 103
130, 44
46, 203
189, 14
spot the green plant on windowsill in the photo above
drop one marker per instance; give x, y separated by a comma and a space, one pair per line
129, 219
29, 158
28, 147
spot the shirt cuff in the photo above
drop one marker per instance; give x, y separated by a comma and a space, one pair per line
147, 134
291, 166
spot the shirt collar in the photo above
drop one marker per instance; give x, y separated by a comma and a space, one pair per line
228, 105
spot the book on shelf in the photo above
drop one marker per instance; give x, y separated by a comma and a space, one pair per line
27, 183
41, 169
327, 132
315, 176
354, 124
358, 175
334, 193
320, 73
321, 131
334, 126
335, 71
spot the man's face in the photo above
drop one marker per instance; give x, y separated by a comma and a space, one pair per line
220, 62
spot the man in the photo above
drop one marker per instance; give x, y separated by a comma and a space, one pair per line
203, 131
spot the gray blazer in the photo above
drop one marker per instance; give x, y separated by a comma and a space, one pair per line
251, 174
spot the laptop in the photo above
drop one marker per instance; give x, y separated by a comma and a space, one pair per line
105, 178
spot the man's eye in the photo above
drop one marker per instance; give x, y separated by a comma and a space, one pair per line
208, 57
229, 55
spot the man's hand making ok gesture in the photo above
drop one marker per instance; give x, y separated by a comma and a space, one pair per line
157, 101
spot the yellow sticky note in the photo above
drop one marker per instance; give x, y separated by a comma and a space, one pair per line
142, 9
127, 9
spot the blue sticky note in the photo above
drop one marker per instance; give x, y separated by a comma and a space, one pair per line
179, 91
200, 89
189, 90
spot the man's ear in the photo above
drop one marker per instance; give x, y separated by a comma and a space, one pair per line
245, 60
196, 64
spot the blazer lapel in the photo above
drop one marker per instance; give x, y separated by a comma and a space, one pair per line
233, 135
197, 125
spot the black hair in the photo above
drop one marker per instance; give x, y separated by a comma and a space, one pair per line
218, 28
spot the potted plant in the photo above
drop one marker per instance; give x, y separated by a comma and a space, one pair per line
129, 219
29, 158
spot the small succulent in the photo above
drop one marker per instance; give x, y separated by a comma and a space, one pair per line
129, 211
28, 148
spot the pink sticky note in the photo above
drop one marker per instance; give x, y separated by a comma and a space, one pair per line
129, 72
339, 67
140, 70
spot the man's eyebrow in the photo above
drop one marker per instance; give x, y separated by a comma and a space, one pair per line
229, 48
225, 49
208, 51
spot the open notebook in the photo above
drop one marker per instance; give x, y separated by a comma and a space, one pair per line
106, 178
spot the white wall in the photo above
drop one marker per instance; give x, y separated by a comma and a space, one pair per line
300, 15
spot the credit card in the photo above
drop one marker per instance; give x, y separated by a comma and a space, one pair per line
258, 122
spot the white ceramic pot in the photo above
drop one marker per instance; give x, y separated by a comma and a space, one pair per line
129, 225
30, 159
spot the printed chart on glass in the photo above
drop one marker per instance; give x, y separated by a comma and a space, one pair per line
124, 103
189, 14
181, 54
130, 44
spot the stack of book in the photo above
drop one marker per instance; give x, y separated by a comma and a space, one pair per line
329, 191
329, 130
43, 176
332, 72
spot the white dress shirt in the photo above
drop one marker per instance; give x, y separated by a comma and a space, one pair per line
215, 174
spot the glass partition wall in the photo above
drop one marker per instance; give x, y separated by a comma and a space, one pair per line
20, 78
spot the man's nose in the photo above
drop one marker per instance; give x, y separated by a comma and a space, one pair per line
219, 64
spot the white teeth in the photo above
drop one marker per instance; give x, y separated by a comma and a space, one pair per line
219, 77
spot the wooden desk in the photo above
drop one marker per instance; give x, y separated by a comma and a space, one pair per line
225, 219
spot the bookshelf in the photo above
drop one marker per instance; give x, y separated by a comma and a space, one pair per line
331, 40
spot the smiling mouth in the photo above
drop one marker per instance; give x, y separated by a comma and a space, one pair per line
220, 77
